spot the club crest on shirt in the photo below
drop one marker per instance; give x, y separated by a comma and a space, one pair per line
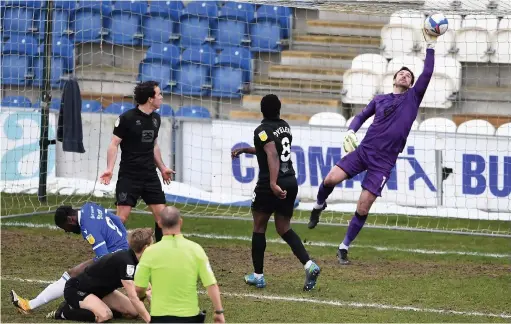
155, 122
130, 270
263, 136
90, 239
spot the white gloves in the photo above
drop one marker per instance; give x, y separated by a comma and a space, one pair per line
430, 40
350, 141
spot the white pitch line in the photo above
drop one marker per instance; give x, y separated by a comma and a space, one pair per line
279, 241
325, 302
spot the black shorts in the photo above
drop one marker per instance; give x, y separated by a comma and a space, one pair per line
129, 189
176, 319
74, 294
263, 199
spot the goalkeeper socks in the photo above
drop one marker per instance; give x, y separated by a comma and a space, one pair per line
293, 240
356, 224
323, 194
158, 233
78, 314
258, 248
53, 291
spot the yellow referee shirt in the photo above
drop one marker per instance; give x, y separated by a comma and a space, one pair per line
172, 266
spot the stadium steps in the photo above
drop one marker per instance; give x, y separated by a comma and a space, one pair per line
294, 104
305, 72
256, 115
354, 28
355, 15
502, 93
495, 120
298, 85
323, 59
112, 80
345, 44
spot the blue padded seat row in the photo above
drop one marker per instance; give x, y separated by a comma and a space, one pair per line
233, 22
194, 74
62, 15
62, 61
17, 59
125, 23
54, 105
231, 72
193, 111
16, 101
269, 27
159, 65
196, 21
118, 108
165, 111
18, 16
91, 106
89, 19
161, 25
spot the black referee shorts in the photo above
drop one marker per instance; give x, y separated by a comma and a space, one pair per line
129, 189
265, 201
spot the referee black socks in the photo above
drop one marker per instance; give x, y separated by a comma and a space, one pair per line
158, 233
258, 248
293, 240
78, 314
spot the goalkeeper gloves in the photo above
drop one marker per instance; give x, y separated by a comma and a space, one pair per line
430, 39
350, 141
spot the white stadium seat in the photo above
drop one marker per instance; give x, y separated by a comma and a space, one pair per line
327, 119
438, 124
359, 86
504, 130
449, 67
476, 126
374, 63
440, 88
473, 40
415, 64
472, 5
501, 41
402, 35
415, 125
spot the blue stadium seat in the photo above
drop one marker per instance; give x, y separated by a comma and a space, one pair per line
118, 108
194, 75
16, 101
196, 20
158, 64
233, 21
54, 105
231, 71
62, 14
165, 111
90, 106
89, 19
62, 61
19, 16
193, 111
161, 26
125, 24
17, 59
269, 27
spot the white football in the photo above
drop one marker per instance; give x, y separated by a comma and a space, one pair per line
436, 24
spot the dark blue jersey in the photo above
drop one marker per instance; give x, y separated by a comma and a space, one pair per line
103, 230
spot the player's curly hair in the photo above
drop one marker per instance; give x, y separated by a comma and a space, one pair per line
270, 106
62, 213
139, 238
404, 68
145, 90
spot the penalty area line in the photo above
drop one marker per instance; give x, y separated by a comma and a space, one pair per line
310, 243
323, 302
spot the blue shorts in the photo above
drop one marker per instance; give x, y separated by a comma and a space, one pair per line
378, 168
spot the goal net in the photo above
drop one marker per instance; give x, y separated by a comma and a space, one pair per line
215, 60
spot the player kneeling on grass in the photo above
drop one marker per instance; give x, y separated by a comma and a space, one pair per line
275, 192
93, 296
378, 151
105, 233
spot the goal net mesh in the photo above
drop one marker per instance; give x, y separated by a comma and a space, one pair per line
215, 60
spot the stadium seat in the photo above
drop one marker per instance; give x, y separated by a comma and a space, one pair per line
62, 60
161, 25
16, 101
20, 17
54, 105
269, 27
91, 106
415, 64
165, 111
119, 108
438, 124
439, 92
449, 67
196, 22
366, 124
476, 126
231, 72
504, 130
501, 42
359, 86
159, 64
327, 119
473, 40
125, 23
471, 5
193, 111
89, 19
233, 28
17, 59
415, 125
62, 13
193, 77
402, 35
373, 63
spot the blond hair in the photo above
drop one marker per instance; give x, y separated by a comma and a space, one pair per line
139, 238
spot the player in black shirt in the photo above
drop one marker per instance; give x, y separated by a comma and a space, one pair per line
136, 131
93, 296
275, 192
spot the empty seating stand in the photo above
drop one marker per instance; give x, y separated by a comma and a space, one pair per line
160, 63
124, 25
16, 101
89, 19
231, 72
161, 24
269, 28
196, 22
193, 77
233, 25
193, 112
18, 54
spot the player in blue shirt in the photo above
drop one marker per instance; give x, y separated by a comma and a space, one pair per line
103, 230
394, 114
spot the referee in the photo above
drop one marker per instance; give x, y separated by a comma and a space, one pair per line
173, 266
136, 132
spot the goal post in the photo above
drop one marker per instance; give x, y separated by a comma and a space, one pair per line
215, 60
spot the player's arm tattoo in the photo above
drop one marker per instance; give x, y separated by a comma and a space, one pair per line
273, 161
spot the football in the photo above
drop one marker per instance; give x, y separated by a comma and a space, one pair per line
436, 24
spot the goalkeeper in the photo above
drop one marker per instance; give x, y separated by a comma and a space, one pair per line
377, 153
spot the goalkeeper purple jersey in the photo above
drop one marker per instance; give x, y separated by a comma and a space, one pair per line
394, 115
